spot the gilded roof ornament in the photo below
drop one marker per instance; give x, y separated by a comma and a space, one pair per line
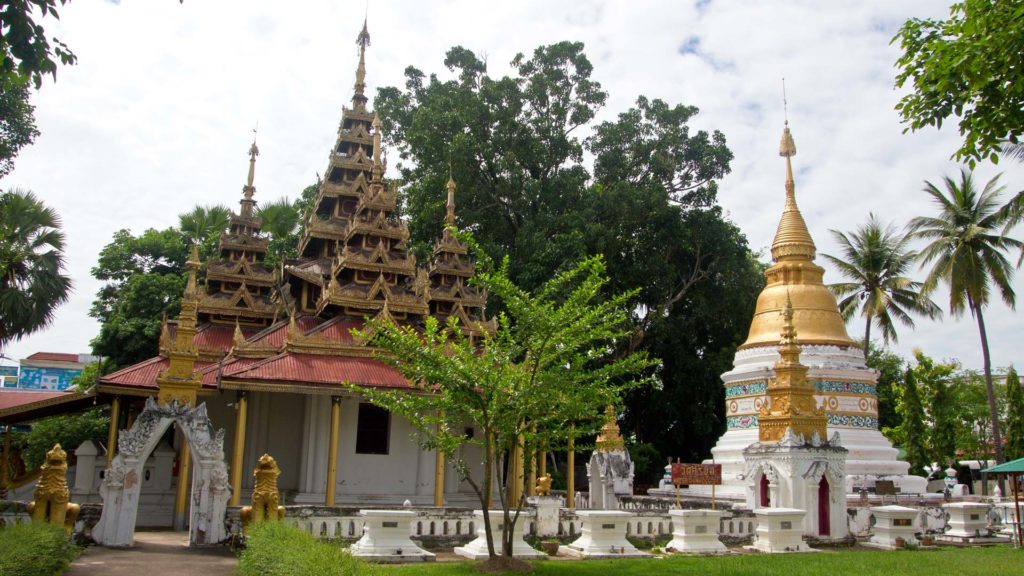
449, 218
610, 438
363, 40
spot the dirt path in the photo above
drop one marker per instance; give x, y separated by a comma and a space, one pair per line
155, 554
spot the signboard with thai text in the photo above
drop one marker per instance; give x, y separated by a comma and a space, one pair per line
692, 474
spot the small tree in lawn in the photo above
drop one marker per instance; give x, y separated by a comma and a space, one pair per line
540, 380
911, 434
1015, 416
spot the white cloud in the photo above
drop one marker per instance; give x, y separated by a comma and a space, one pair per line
157, 115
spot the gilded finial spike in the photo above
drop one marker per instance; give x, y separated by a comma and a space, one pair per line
610, 437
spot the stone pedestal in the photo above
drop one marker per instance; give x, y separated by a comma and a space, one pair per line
386, 538
968, 522
548, 508
892, 522
85, 468
696, 531
603, 536
780, 530
1008, 512
477, 549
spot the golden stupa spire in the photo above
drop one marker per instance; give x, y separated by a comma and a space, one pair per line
378, 166
363, 40
610, 438
249, 189
795, 275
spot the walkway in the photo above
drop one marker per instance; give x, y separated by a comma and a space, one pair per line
156, 553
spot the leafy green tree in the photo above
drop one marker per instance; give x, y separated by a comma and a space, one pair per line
877, 258
26, 51
144, 278
67, 430
651, 210
967, 245
966, 67
17, 124
890, 367
1015, 416
974, 434
936, 379
541, 380
32, 283
912, 435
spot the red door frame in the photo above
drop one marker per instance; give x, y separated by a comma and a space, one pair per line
824, 518
766, 501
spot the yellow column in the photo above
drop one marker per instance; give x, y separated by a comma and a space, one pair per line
4, 466
438, 474
332, 455
543, 468
570, 482
236, 460
531, 484
184, 479
516, 475
115, 413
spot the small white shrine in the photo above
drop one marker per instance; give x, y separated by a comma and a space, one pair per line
696, 532
610, 470
892, 523
603, 536
386, 538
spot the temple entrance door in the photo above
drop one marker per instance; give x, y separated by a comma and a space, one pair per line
824, 519
122, 481
764, 497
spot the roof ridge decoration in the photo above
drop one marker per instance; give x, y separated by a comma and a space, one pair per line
180, 381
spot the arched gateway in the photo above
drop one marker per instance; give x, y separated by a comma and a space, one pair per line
122, 482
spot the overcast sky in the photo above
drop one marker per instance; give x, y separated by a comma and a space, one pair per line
157, 115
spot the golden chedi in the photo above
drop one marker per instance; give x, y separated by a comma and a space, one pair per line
265, 497
791, 404
51, 499
794, 274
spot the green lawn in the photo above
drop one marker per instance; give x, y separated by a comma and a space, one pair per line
992, 561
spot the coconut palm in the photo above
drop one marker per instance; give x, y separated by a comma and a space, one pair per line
32, 285
204, 223
279, 218
967, 250
876, 259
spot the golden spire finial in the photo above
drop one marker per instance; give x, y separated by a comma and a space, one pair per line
249, 189
192, 264
363, 40
792, 239
449, 218
610, 438
378, 167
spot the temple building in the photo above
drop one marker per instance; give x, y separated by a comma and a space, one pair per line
272, 354
844, 386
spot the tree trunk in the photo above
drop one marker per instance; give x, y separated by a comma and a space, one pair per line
486, 496
997, 438
867, 337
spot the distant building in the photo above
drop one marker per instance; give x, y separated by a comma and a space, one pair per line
8, 376
50, 370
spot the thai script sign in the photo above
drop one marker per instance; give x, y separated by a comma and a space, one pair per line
691, 474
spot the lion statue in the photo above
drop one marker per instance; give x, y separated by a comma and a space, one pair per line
51, 498
265, 496
544, 485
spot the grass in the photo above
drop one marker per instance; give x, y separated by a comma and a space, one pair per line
33, 549
991, 561
278, 549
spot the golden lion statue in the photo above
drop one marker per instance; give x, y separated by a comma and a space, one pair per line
264, 495
51, 498
544, 485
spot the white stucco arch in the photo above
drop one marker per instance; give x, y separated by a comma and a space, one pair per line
122, 481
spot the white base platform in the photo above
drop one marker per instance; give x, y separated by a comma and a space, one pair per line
386, 538
477, 549
603, 536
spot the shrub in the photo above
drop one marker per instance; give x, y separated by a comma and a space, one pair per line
35, 549
279, 549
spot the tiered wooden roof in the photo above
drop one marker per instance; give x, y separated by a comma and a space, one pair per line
354, 264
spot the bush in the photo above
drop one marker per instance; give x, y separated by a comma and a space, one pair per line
279, 549
35, 549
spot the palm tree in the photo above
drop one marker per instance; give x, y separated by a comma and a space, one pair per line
279, 218
876, 259
967, 251
204, 223
32, 285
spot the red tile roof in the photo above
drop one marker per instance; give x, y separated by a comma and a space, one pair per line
16, 398
338, 328
143, 374
319, 369
228, 367
54, 357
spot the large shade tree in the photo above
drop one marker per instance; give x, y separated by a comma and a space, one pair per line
32, 282
648, 204
876, 260
967, 250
